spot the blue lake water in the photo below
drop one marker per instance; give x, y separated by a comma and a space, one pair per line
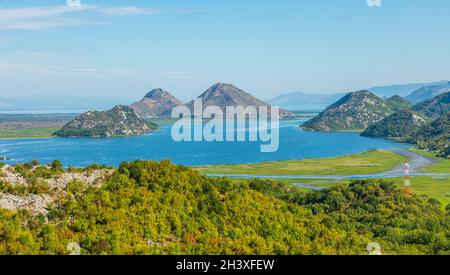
294, 144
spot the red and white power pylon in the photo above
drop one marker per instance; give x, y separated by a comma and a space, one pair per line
407, 181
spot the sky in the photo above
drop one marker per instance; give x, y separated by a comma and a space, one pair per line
120, 49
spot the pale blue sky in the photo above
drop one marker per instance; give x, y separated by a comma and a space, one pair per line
123, 48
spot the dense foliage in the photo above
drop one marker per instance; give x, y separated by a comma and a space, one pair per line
402, 124
160, 208
435, 107
397, 103
435, 136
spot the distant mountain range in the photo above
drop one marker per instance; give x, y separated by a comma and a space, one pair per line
303, 101
401, 89
428, 92
307, 101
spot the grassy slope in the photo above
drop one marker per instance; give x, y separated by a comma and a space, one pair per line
441, 166
363, 163
28, 133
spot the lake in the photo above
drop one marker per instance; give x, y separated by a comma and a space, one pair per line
294, 144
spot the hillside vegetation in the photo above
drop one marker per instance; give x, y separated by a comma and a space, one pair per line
160, 208
435, 136
355, 111
402, 124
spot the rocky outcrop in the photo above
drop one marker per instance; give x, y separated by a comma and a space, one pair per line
7, 174
37, 204
57, 184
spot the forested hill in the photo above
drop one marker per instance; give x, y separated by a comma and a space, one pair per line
159, 208
355, 111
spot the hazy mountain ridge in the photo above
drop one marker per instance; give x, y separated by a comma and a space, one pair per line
304, 101
428, 92
401, 89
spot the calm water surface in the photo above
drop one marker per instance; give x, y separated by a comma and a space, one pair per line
294, 144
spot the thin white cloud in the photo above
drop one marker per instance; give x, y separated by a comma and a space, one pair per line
130, 10
42, 63
41, 18
39, 12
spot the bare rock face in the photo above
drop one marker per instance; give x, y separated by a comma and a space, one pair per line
8, 175
92, 178
223, 95
39, 203
119, 121
34, 203
156, 104
355, 111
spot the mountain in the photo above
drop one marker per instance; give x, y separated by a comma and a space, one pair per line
435, 107
119, 121
397, 103
355, 111
223, 95
304, 101
413, 125
156, 104
435, 136
403, 123
428, 92
400, 89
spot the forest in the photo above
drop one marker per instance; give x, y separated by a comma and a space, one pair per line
147, 207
